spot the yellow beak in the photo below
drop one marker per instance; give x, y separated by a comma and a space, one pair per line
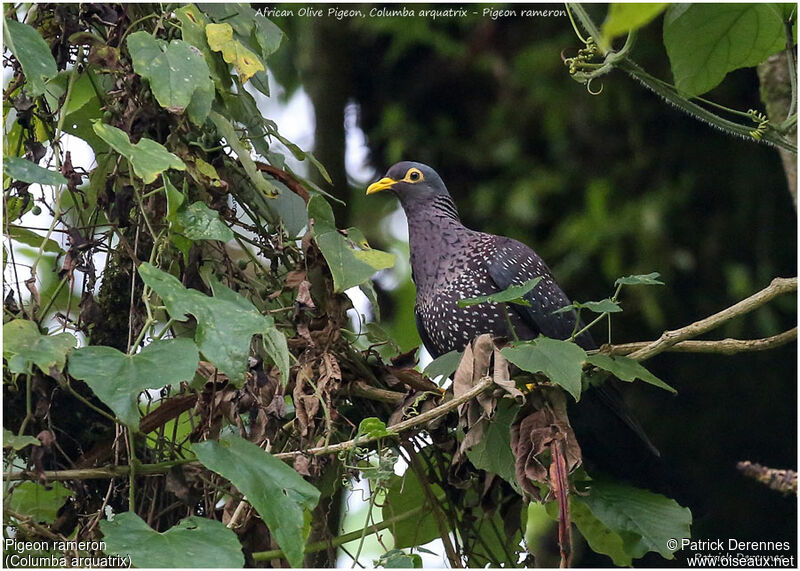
382, 184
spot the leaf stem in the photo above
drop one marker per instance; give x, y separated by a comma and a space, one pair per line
590, 27
364, 529
574, 25
132, 462
88, 403
508, 321
670, 93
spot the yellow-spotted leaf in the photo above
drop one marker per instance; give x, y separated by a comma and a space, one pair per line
220, 39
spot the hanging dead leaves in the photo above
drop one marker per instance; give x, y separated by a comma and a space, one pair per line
543, 444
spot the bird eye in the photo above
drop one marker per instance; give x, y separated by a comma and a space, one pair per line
414, 175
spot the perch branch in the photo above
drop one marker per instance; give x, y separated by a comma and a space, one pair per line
784, 481
668, 339
163, 467
413, 422
723, 346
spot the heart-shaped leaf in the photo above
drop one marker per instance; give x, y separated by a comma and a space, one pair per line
279, 494
117, 378
194, 542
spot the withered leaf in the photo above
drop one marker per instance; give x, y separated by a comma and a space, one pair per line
535, 433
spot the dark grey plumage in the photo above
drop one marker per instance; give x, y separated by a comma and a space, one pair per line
450, 262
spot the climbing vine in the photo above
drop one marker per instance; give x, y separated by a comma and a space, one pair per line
180, 369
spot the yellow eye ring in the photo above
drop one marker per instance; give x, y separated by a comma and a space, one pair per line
414, 175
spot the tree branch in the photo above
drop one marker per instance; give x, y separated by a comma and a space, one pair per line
668, 339
784, 481
413, 422
163, 467
722, 347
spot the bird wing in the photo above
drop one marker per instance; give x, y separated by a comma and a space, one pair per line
514, 264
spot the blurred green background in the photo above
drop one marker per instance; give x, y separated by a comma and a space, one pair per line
600, 186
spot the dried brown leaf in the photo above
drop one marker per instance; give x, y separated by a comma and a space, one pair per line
304, 298
535, 433
306, 405
295, 278
301, 465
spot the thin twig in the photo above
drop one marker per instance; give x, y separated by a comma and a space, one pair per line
434, 506
28, 522
423, 418
342, 539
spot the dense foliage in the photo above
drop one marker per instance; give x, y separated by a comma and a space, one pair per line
181, 373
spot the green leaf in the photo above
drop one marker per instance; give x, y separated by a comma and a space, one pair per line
644, 520
405, 493
598, 536
626, 17
26, 171
640, 279
368, 289
787, 10
268, 35
201, 223
193, 30
278, 493
117, 378
17, 207
11, 440
374, 428
24, 346
511, 295
559, 361
493, 453
319, 166
226, 130
25, 236
627, 369
397, 559
84, 108
277, 349
175, 200
706, 41
226, 322
349, 266
443, 366
602, 306
33, 499
220, 39
32, 53
493, 542
193, 542
149, 159
200, 105
241, 17
175, 71
175, 204
290, 208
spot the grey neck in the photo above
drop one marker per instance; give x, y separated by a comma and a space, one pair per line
435, 237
